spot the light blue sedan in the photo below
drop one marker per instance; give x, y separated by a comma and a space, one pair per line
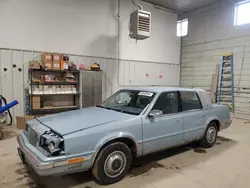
131, 123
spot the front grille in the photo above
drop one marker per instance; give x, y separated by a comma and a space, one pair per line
144, 23
32, 137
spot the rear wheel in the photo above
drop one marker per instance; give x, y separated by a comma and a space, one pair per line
112, 163
210, 136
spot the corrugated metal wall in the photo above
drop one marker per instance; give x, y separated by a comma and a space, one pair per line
212, 33
199, 62
117, 73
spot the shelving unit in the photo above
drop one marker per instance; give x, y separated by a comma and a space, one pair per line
56, 94
53, 71
53, 110
58, 91
55, 83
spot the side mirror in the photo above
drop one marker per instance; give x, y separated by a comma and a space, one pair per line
155, 113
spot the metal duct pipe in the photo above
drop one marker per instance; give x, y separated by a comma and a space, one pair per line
138, 5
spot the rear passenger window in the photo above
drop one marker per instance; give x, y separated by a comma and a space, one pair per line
190, 101
167, 103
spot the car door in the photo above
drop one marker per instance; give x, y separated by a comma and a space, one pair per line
165, 130
193, 116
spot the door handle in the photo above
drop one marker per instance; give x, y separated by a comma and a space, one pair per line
178, 121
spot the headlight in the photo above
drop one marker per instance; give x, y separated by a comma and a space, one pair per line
51, 147
52, 143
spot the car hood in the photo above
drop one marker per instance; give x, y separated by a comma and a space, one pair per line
72, 121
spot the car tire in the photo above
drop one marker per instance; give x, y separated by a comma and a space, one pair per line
112, 163
210, 136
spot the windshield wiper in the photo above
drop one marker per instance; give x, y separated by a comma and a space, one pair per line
127, 112
117, 110
124, 111
100, 106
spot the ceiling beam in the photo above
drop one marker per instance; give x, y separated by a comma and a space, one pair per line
158, 6
201, 7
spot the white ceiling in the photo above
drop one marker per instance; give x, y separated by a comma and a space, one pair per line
182, 6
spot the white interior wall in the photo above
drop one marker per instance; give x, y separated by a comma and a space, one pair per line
86, 28
212, 33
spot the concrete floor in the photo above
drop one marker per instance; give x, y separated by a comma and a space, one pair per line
226, 165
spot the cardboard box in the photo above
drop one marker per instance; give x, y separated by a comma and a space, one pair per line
47, 60
56, 66
34, 65
62, 64
47, 104
21, 121
66, 100
57, 61
36, 102
36, 106
56, 101
57, 57
36, 99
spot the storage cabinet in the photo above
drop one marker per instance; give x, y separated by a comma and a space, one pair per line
11, 79
91, 88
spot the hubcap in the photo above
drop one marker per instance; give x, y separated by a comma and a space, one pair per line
211, 134
115, 164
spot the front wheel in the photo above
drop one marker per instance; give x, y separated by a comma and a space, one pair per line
112, 163
210, 136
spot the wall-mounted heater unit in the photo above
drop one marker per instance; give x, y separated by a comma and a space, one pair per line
140, 25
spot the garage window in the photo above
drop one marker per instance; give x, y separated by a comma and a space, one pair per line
182, 27
242, 13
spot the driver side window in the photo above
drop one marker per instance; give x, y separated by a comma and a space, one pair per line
167, 103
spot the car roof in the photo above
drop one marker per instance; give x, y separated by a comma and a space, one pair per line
159, 89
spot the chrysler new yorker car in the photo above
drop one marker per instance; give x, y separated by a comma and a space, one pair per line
131, 123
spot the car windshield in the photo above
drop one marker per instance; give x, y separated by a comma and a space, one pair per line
128, 101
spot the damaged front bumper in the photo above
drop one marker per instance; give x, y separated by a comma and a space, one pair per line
45, 166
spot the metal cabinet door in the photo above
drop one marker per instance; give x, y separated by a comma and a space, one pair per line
91, 88
97, 88
87, 89
18, 83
